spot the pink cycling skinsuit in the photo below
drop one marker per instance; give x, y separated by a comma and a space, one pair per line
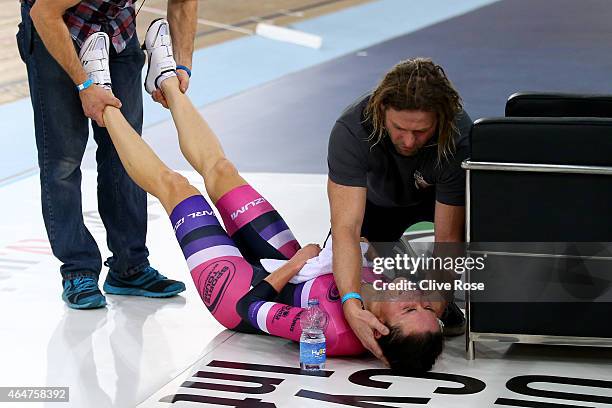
226, 269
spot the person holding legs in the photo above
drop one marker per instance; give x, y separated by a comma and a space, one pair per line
51, 37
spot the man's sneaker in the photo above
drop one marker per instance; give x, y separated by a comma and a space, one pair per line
83, 293
94, 57
454, 320
158, 45
145, 282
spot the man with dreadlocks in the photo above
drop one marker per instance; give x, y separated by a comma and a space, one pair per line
394, 160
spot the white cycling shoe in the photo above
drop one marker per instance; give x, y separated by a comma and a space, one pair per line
94, 58
158, 45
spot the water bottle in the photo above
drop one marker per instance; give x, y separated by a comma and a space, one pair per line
312, 342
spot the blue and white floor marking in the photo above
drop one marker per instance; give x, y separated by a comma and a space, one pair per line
234, 66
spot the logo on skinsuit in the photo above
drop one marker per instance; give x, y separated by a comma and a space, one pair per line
218, 276
295, 320
332, 293
282, 312
179, 223
247, 206
201, 214
193, 215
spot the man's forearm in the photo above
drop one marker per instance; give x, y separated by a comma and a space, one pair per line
56, 37
182, 17
347, 262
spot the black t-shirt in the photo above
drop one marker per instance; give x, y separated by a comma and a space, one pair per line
394, 180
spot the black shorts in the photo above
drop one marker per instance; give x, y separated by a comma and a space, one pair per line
386, 224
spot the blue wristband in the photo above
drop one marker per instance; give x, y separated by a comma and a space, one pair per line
84, 85
352, 295
184, 68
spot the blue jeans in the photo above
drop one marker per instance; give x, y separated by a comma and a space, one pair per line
61, 136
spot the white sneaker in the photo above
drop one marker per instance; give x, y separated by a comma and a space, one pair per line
94, 57
159, 51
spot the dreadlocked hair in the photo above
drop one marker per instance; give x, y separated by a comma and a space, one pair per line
416, 84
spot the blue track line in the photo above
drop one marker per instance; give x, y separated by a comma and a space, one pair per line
235, 66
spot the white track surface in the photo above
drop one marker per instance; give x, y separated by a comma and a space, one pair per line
120, 355
137, 351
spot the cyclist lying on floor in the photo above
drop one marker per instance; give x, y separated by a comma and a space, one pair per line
225, 264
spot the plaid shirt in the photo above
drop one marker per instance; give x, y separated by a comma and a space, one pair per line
117, 18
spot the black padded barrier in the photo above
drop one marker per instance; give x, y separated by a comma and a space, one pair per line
541, 207
540, 104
